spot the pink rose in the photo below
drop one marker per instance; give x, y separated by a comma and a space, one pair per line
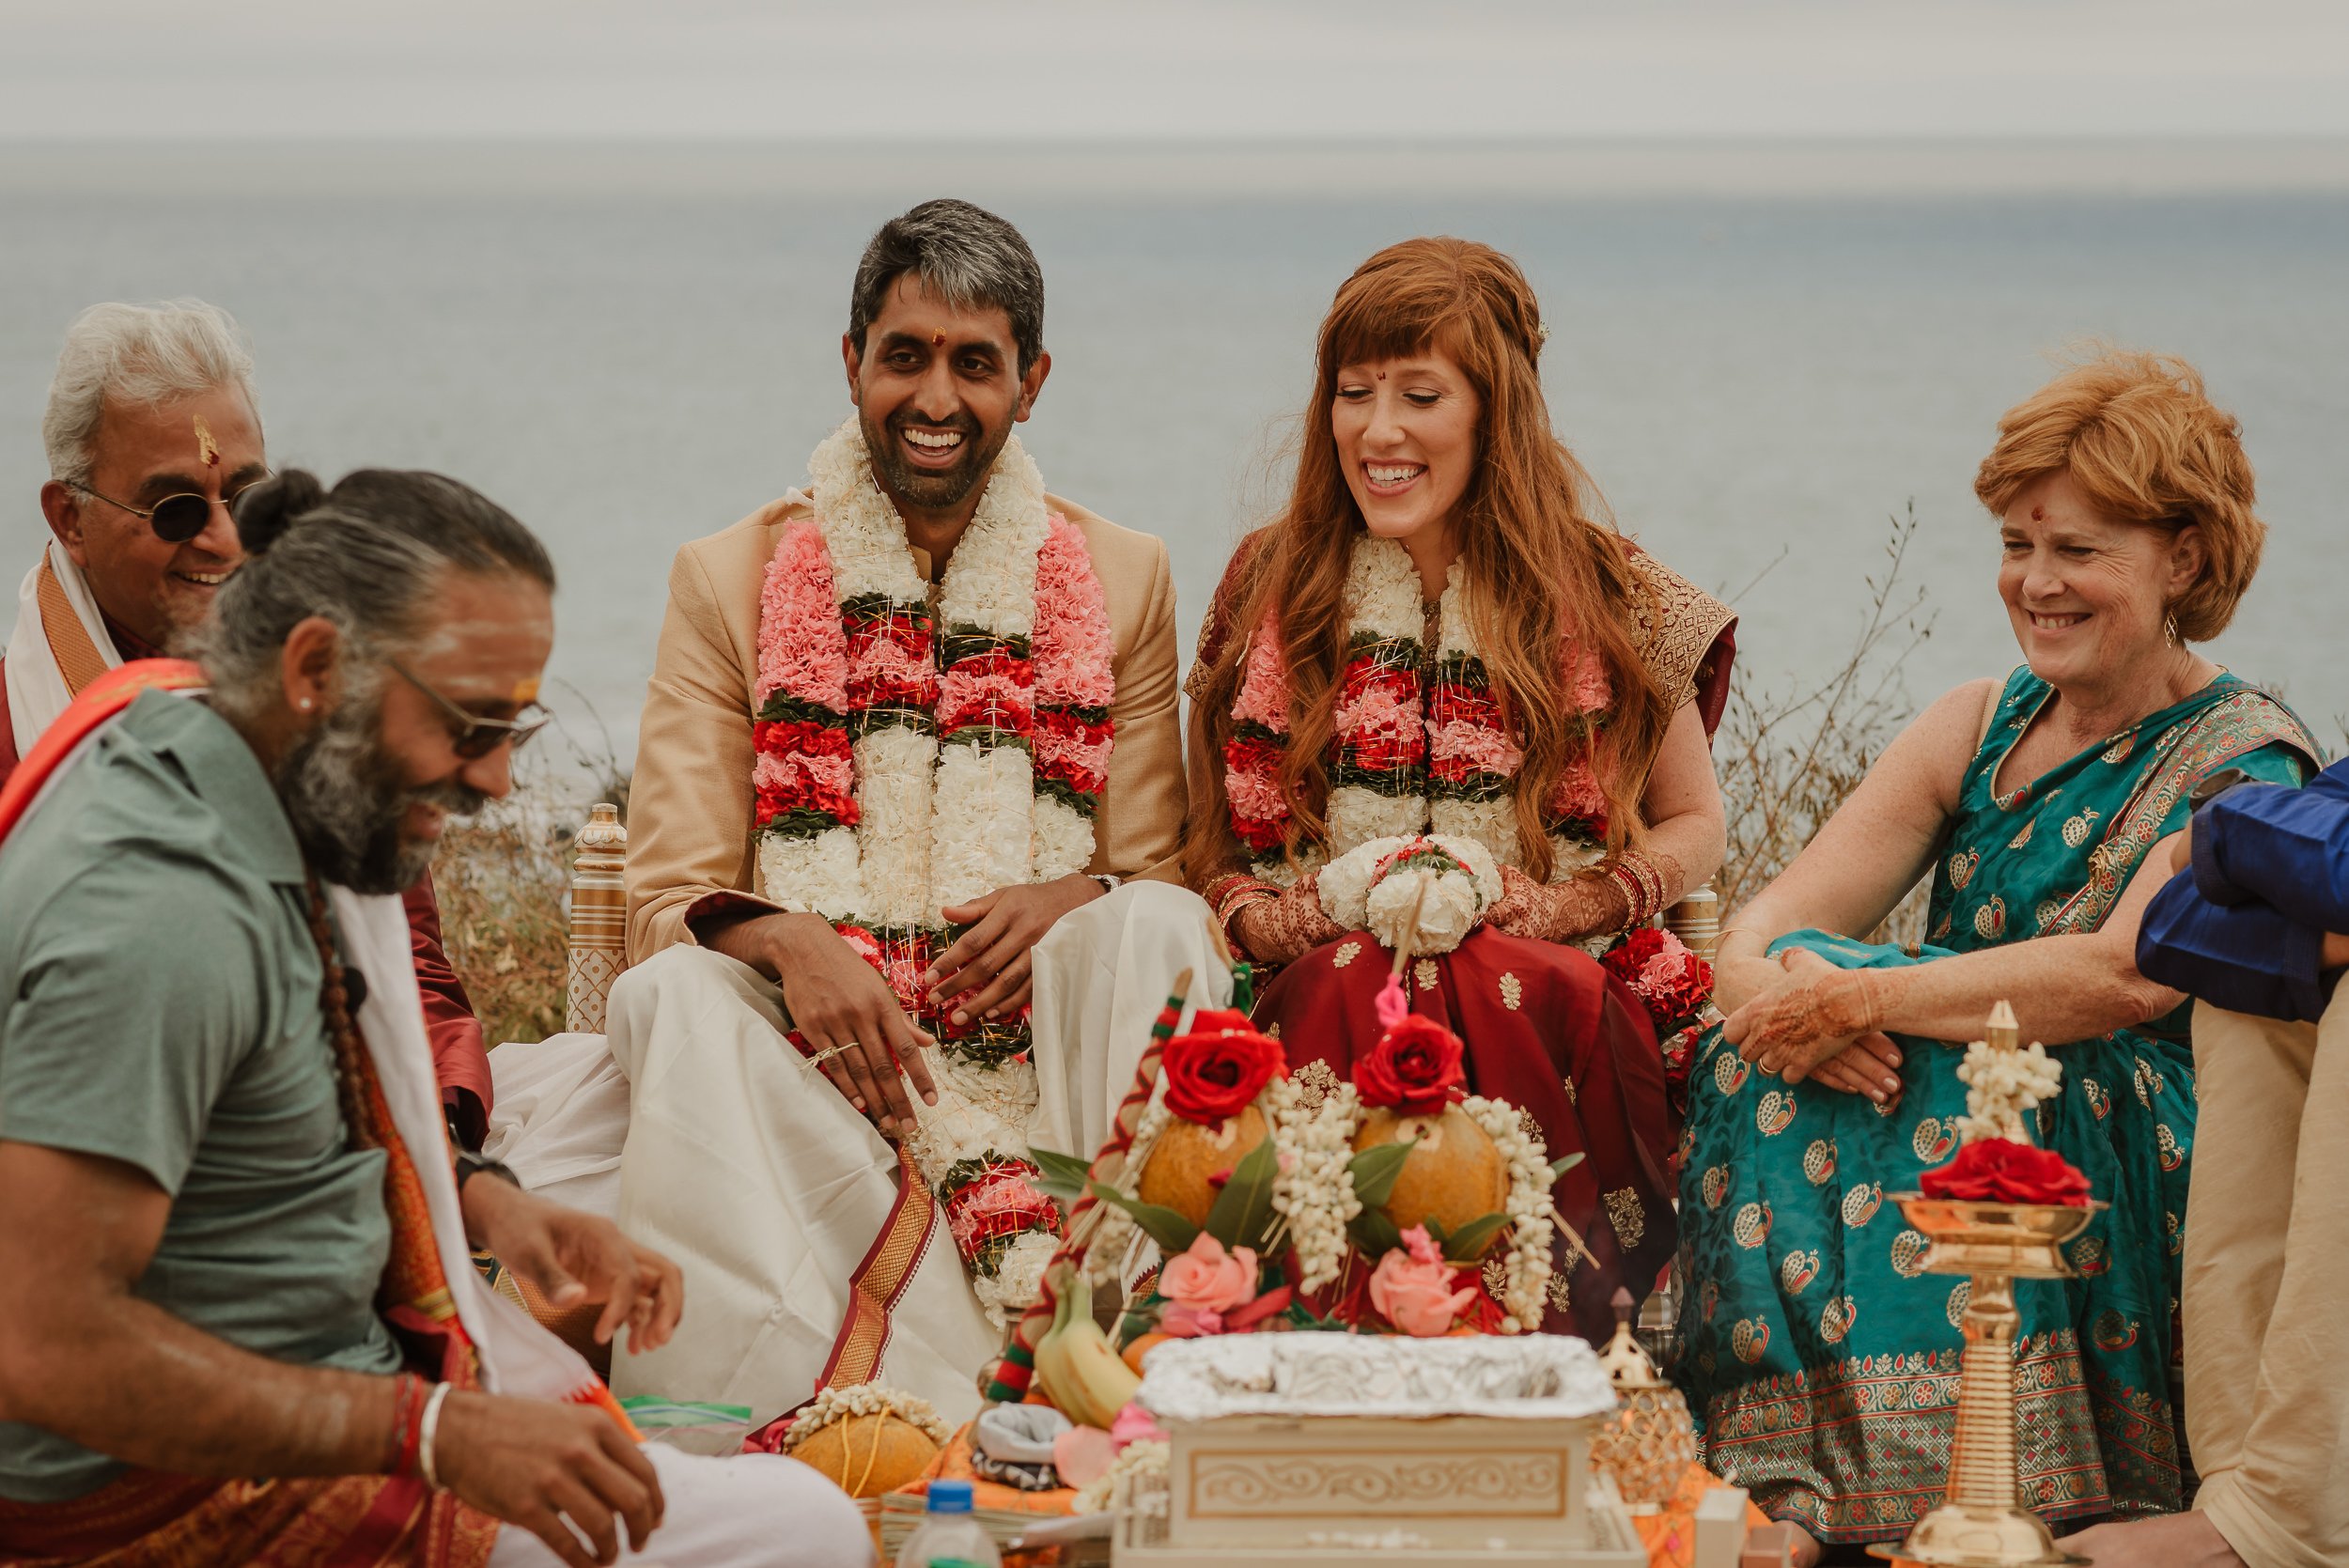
1208, 1279
1134, 1425
1412, 1289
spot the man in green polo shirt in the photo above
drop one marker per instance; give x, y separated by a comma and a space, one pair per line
202, 1216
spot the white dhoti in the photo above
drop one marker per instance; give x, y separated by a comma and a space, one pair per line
744, 1164
560, 1118
751, 1510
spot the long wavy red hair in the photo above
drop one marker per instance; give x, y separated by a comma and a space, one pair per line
1542, 559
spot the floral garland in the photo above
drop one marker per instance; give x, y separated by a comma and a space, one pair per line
1525, 1290
911, 758
1416, 748
1315, 1192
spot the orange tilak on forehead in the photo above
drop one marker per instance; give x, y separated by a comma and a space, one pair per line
938, 340
526, 692
205, 448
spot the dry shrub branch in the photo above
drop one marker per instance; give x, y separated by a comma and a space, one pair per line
504, 881
1790, 752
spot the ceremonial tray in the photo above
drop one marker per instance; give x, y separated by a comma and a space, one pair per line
1307, 1447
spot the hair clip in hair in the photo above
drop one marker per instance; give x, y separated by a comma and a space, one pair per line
205, 448
1541, 331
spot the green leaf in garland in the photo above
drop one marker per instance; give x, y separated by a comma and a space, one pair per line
1170, 1231
1471, 1241
1374, 1234
1562, 1164
1243, 1212
1064, 1178
1374, 1171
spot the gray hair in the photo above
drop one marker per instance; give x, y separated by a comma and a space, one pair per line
142, 355
366, 555
967, 257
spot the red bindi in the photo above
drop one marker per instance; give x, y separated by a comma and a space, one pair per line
2039, 513
1383, 375
936, 339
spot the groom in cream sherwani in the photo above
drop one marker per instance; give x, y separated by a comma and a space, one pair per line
774, 1075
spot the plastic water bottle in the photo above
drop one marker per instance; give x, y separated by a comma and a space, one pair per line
949, 1537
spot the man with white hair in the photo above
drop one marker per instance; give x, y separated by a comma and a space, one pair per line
152, 431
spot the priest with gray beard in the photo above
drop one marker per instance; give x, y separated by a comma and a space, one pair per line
234, 1240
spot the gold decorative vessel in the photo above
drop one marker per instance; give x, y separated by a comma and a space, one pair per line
1650, 1442
1982, 1522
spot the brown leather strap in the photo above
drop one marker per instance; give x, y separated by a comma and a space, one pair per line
70, 643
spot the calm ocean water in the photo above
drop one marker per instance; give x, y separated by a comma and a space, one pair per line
1753, 379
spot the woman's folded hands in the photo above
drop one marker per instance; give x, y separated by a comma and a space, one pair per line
1822, 1022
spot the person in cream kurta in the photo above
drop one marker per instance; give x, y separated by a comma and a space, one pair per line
740, 1161
773, 1187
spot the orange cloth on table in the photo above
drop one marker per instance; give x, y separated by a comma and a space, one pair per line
954, 1463
1670, 1537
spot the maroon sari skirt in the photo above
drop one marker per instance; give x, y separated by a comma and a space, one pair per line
1550, 1032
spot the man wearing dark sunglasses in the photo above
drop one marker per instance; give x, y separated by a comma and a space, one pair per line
153, 432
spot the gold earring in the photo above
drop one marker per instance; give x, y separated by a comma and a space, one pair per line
2170, 628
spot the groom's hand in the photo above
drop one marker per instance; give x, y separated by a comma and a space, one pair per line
840, 1005
993, 958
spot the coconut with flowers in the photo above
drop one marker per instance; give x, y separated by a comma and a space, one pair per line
866, 1438
1213, 1073
1410, 1084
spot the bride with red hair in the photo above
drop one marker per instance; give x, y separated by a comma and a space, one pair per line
1442, 635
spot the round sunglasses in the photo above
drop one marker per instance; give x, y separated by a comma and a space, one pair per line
175, 518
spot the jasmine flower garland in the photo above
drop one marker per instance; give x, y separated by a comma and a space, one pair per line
907, 760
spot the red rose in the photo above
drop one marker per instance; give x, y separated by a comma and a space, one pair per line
1213, 1072
1664, 973
2001, 1170
1414, 1069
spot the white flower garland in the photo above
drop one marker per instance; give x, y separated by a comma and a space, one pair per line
2000, 1085
840, 1401
1531, 1231
1314, 1188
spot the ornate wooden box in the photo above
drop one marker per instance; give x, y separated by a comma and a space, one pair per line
1305, 1447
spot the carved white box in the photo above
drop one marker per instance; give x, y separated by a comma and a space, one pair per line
1293, 1445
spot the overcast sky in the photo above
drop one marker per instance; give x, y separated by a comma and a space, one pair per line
924, 70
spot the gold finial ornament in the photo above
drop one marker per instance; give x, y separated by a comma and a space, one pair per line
1982, 1522
599, 934
1650, 1442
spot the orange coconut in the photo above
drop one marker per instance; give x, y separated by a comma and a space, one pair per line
867, 1455
1454, 1176
1186, 1155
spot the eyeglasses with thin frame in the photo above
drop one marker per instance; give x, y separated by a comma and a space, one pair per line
175, 518
471, 736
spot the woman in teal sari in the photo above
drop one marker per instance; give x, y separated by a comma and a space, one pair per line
1820, 1359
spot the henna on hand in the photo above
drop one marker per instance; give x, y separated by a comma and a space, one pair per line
1815, 1015
1556, 911
1282, 930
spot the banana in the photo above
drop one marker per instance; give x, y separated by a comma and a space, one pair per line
1083, 1374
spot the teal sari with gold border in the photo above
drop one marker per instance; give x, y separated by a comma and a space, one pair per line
1820, 1359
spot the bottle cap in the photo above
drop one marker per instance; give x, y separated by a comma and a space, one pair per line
949, 1497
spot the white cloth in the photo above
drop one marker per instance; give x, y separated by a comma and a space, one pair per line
1101, 975
37, 689
559, 1119
747, 1512
745, 1166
